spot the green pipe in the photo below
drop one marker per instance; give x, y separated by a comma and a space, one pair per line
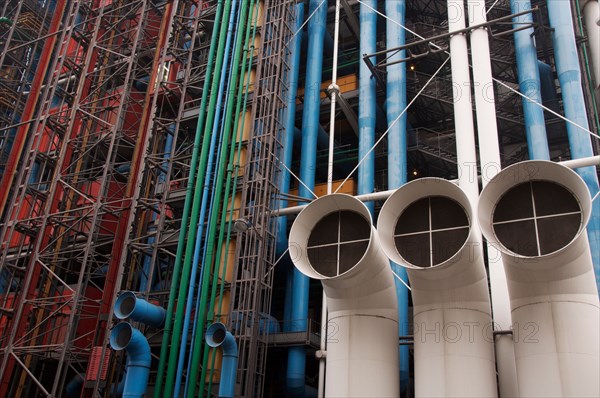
232, 185
186, 211
199, 342
189, 198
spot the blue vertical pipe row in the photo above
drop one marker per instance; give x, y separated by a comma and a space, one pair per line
396, 102
288, 149
569, 76
367, 102
310, 129
529, 82
204, 205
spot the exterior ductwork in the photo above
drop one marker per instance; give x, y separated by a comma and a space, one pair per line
535, 213
427, 226
333, 240
218, 336
125, 337
128, 305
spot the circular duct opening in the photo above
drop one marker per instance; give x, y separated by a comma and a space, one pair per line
218, 336
121, 336
431, 230
127, 305
338, 242
536, 218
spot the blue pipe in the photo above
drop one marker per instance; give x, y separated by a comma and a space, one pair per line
529, 82
569, 76
310, 130
367, 105
290, 128
548, 88
126, 337
218, 336
162, 178
139, 310
396, 102
287, 156
322, 137
203, 208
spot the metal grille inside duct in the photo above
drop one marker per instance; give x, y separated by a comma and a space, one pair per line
536, 218
338, 242
431, 230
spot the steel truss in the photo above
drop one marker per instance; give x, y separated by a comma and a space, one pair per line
255, 252
62, 244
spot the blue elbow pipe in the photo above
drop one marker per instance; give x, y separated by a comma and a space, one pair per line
126, 337
367, 105
139, 310
218, 336
569, 76
529, 83
310, 130
395, 104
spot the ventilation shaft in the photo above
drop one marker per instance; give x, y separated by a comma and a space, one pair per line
535, 213
333, 240
426, 226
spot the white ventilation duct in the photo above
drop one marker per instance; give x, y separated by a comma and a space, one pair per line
426, 226
333, 240
535, 213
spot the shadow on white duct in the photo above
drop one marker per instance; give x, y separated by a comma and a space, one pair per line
535, 213
426, 226
333, 240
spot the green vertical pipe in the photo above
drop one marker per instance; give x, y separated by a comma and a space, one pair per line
231, 186
167, 332
202, 129
198, 343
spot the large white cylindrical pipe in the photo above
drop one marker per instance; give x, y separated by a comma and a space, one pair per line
535, 213
333, 240
426, 225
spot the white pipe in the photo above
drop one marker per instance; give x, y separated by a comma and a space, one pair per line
333, 90
463, 111
591, 14
362, 350
454, 352
489, 156
553, 296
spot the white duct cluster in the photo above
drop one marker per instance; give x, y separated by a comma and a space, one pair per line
427, 226
535, 213
333, 240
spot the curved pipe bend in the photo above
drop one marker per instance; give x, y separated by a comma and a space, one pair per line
218, 336
125, 337
449, 289
553, 296
361, 300
128, 305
